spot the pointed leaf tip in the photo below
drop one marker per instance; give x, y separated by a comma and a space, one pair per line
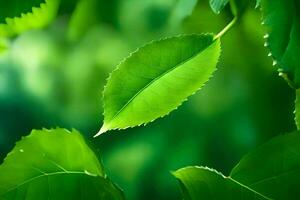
102, 130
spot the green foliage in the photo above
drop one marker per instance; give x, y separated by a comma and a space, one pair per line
269, 172
238, 6
157, 78
150, 83
217, 5
281, 19
54, 164
83, 18
183, 9
18, 15
205, 183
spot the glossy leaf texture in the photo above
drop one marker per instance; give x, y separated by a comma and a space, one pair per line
272, 171
217, 5
17, 16
54, 164
157, 78
282, 21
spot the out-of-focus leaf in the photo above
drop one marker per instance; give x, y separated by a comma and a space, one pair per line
281, 19
54, 164
183, 9
3, 44
157, 78
238, 6
272, 171
217, 5
18, 15
257, 3
83, 18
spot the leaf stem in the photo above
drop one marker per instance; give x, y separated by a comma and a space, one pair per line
226, 29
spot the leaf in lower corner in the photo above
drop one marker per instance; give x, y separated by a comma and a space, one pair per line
205, 183
17, 16
54, 164
157, 78
271, 171
281, 19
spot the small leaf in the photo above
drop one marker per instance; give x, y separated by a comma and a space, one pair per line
19, 15
281, 19
157, 78
218, 5
272, 171
54, 164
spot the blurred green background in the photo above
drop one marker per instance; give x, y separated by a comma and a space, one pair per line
54, 78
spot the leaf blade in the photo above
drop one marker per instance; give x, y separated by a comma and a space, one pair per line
142, 89
46, 160
18, 16
206, 183
271, 171
281, 19
218, 5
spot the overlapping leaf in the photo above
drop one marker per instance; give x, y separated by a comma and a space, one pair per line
54, 164
282, 21
217, 5
157, 78
272, 171
17, 16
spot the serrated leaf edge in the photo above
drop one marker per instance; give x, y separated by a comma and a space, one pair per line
104, 128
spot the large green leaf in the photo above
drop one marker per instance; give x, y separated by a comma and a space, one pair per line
157, 78
217, 5
205, 183
282, 21
54, 164
271, 171
17, 16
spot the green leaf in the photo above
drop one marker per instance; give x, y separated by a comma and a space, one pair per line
85, 16
257, 3
19, 15
182, 10
157, 78
205, 183
272, 171
4, 43
238, 7
281, 19
217, 5
54, 164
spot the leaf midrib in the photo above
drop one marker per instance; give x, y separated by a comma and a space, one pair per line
248, 188
157, 78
